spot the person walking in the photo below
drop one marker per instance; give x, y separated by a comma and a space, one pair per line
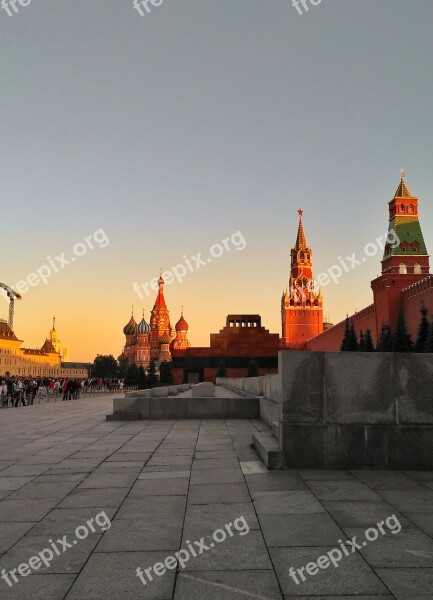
3, 394
19, 393
65, 390
42, 394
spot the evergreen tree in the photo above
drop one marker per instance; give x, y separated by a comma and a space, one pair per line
141, 378
352, 344
368, 342
345, 342
402, 339
253, 369
165, 373
152, 377
429, 342
123, 366
386, 339
131, 375
361, 347
222, 369
423, 330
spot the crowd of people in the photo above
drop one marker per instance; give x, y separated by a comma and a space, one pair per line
25, 391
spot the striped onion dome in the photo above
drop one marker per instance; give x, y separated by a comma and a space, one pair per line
143, 327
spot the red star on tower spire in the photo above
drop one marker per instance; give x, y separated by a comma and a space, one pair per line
300, 212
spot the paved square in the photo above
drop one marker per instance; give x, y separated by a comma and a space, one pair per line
168, 485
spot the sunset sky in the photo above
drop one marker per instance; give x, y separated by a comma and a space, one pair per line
171, 132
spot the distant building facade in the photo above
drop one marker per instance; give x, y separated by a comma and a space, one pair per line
44, 362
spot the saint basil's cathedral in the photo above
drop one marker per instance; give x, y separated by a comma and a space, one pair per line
157, 340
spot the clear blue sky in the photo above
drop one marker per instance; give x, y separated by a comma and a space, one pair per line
175, 130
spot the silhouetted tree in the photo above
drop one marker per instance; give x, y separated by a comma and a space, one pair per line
152, 377
386, 339
253, 369
142, 381
423, 330
131, 374
123, 366
429, 342
345, 342
105, 366
222, 369
361, 346
352, 344
368, 342
165, 373
402, 339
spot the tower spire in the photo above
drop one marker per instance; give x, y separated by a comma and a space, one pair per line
301, 242
402, 190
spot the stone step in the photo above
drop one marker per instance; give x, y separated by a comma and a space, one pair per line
268, 449
276, 430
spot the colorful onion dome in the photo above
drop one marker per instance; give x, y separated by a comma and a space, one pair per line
143, 327
130, 327
182, 325
164, 339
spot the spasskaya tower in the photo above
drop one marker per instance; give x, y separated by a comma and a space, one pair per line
302, 303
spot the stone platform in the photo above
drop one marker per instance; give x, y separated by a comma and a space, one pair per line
203, 401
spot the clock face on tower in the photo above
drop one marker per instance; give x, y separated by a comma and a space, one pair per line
300, 283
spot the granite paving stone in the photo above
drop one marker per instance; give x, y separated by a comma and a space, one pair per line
152, 506
352, 576
290, 530
228, 585
113, 576
95, 498
167, 484
406, 548
39, 587
142, 535
286, 503
218, 493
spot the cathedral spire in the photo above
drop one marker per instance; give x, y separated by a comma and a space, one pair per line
160, 300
